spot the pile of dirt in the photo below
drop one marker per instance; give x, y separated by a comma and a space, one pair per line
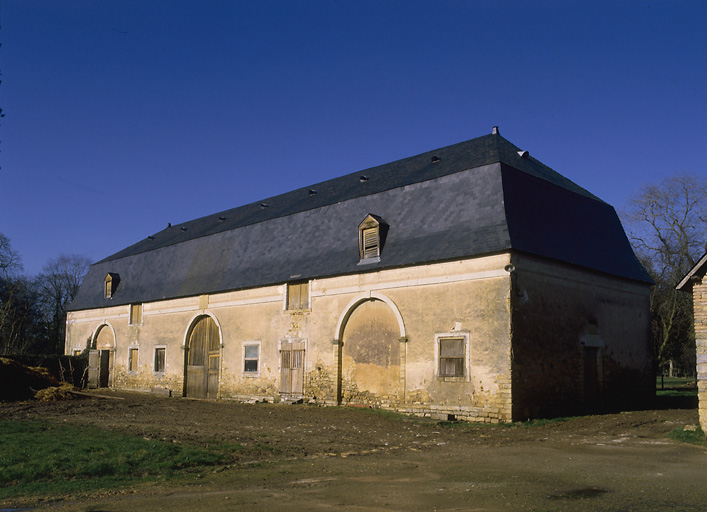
22, 382
54, 393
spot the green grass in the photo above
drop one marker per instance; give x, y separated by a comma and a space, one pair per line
688, 435
49, 458
676, 387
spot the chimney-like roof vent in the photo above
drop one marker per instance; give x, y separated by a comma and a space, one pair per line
495, 131
434, 159
312, 192
363, 179
523, 154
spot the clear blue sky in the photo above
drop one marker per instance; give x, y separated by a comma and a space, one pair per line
122, 116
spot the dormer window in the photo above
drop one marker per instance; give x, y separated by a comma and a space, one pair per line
110, 284
371, 236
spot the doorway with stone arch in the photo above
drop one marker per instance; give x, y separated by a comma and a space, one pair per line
371, 355
202, 359
100, 357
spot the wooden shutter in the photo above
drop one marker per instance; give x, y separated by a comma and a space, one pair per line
298, 296
136, 314
159, 359
451, 357
370, 243
133, 360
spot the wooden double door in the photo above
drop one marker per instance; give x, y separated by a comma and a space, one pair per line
203, 360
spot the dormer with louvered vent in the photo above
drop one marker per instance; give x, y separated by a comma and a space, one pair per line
371, 237
110, 284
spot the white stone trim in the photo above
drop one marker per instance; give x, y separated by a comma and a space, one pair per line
408, 283
363, 297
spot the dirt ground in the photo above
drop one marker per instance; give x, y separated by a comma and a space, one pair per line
302, 457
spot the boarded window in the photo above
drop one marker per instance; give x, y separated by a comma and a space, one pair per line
133, 360
160, 359
298, 296
451, 357
251, 355
135, 314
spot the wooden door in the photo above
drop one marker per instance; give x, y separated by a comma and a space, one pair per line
591, 378
203, 360
104, 369
292, 369
93, 368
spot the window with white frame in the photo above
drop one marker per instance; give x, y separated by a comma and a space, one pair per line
452, 356
160, 359
251, 358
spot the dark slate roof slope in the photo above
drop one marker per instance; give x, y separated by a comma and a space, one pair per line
426, 166
553, 222
477, 197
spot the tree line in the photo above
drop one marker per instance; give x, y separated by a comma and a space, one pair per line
666, 223
33, 309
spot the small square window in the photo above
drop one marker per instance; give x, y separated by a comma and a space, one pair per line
251, 358
160, 353
298, 296
132, 360
135, 314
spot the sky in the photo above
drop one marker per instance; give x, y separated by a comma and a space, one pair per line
123, 116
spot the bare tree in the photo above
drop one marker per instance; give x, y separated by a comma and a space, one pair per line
667, 226
17, 303
10, 262
57, 286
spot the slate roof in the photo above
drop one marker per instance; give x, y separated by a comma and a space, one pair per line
699, 270
476, 197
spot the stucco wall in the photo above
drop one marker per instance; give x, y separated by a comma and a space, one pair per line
467, 299
580, 341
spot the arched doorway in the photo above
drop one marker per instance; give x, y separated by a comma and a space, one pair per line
202, 359
370, 354
100, 358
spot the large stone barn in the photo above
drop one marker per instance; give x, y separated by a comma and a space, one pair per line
471, 281
696, 284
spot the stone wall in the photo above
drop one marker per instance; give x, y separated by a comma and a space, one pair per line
373, 339
346, 361
580, 341
699, 297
